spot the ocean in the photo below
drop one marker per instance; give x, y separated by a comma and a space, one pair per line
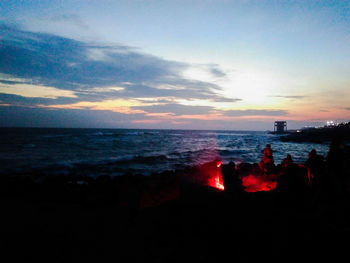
114, 152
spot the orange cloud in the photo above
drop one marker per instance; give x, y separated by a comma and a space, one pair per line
119, 105
147, 121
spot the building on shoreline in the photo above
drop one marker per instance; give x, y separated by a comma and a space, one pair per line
280, 127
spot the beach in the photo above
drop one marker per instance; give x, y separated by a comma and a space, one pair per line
71, 195
167, 217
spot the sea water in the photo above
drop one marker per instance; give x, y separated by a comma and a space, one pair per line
94, 152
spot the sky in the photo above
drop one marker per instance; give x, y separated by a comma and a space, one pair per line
206, 64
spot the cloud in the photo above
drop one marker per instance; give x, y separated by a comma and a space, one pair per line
176, 109
296, 97
204, 72
35, 91
254, 112
12, 116
62, 62
10, 82
69, 19
223, 99
216, 71
44, 75
86, 69
118, 105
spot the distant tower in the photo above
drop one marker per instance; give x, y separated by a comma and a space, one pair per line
280, 127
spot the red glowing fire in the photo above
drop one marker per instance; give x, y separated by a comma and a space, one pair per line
210, 174
255, 183
217, 181
218, 184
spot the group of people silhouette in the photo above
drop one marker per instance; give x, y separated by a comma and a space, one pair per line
325, 177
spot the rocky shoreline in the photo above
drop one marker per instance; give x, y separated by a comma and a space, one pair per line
319, 135
170, 217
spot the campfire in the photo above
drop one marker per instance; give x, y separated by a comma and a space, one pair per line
251, 177
210, 174
217, 181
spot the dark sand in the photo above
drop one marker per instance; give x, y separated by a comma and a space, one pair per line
165, 218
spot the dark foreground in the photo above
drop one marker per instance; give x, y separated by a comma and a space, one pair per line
319, 135
165, 218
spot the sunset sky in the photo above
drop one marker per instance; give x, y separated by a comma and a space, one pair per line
206, 64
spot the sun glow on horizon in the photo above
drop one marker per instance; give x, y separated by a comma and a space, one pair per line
253, 87
248, 87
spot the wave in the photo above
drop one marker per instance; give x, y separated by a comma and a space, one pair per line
29, 145
104, 134
108, 151
133, 133
231, 152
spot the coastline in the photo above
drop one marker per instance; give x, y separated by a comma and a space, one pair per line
165, 218
319, 135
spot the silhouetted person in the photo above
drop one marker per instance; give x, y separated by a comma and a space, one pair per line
336, 161
315, 168
267, 163
231, 180
229, 169
287, 162
336, 181
267, 152
289, 182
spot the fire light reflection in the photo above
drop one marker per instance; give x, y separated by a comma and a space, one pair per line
254, 183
